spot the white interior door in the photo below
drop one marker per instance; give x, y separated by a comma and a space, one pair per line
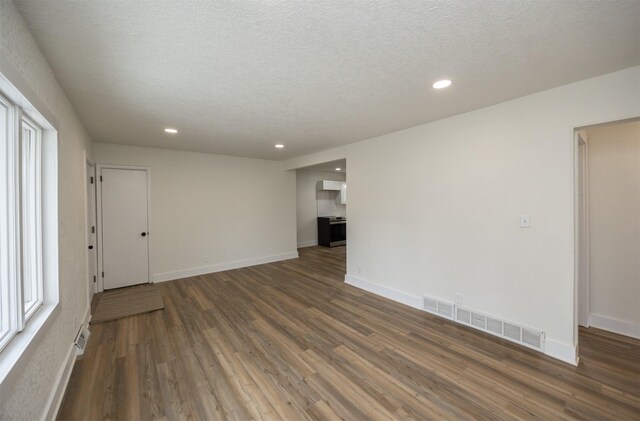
92, 255
125, 240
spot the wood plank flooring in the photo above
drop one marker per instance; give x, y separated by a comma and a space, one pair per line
290, 340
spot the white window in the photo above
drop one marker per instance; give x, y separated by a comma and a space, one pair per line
21, 278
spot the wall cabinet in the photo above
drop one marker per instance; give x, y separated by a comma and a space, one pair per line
342, 196
330, 185
338, 186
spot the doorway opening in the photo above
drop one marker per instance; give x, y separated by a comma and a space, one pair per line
607, 240
321, 211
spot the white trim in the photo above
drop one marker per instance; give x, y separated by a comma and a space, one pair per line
414, 301
202, 270
20, 350
581, 233
500, 335
620, 327
30, 215
87, 316
86, 224
561, 351
99, 168
92, 287
62, 379
311, 243
555, 349
17, 353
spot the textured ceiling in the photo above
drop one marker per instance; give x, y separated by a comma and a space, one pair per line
236, 77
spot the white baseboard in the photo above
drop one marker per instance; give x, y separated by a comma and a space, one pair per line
87, 316
390, 293
202, 270
561, 351
307, 243
555, 349
64, 374
62, 379
614, 325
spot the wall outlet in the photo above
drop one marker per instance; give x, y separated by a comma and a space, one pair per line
525, 221
458, 299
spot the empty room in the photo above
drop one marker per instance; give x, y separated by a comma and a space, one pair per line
320, 210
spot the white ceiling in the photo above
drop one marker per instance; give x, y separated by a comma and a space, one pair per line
236, 77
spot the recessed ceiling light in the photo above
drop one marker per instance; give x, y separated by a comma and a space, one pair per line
279, 146
338, 169
172, 131
442, 84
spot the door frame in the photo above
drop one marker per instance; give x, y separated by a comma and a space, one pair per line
92, 287
99, 168
582, 229
577, 207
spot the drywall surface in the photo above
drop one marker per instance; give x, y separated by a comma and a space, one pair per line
614, 222
209, 211
26, 391
450, 221
307, 197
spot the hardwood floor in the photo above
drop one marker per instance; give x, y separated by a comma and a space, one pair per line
290, 340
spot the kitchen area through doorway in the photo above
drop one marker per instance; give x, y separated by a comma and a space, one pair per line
321, 206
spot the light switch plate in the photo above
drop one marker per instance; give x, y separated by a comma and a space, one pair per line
525, 221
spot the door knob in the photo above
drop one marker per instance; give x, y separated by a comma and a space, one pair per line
90, 247
144, 234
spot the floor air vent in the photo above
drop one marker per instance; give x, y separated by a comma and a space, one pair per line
479, 321
512, 331
463, 315
431, 305
530, 338
438, 307
494, 326
81, 340
445, 309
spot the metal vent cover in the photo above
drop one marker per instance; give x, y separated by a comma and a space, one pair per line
82, 339
445, 309
525, 336
463, 315
532, 338
431, 304
438, 307
494, 326
478, 320
512, 331
522, 335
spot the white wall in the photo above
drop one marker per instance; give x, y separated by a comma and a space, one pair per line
614, 227
307, 203
26, 391
212, 212
450, 219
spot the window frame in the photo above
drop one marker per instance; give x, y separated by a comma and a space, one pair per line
31, 219
21, 220
9, 295
17, 352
